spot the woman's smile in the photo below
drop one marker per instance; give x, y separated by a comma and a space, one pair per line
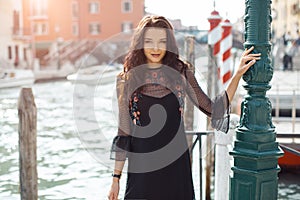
156, 55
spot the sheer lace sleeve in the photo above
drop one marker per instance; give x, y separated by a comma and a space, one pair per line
217, 109
121, 143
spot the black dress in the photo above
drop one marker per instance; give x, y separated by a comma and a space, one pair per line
152, 136
173, 181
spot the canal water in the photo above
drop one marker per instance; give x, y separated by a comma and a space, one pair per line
73, 138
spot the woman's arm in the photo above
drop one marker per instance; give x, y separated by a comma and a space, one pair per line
217, 108
201, 100
121, 142
246, 61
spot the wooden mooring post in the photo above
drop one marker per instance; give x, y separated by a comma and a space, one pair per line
27, 113
189, 106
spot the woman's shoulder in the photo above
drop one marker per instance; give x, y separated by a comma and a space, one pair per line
184, 66
122, 76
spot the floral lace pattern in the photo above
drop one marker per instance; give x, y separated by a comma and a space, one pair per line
133, 108
156, 85
180, 97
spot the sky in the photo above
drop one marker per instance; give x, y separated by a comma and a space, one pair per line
196, 12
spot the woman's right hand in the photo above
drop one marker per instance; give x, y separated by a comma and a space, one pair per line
114, 190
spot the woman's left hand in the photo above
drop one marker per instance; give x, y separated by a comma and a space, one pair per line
246, 61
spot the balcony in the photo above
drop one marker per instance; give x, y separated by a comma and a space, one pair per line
39, 17
21, 34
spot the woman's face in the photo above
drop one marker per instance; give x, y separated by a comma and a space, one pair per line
155, 45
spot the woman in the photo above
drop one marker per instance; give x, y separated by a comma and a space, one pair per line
151, 93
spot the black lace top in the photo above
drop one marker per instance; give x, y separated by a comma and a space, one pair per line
160, 82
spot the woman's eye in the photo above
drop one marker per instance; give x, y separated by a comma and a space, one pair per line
164, 42
147, 41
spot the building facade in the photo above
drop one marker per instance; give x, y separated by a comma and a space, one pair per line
12, 51
286, 17
40, 24
48, 20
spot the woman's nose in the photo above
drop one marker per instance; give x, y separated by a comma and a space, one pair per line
155, 46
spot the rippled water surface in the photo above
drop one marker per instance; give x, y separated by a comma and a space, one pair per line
72, 144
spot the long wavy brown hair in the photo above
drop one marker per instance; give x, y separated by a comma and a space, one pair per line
136, 56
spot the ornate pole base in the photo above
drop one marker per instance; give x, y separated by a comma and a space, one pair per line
256, 151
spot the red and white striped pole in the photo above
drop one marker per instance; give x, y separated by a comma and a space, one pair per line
215, 32
225, 52
214, 39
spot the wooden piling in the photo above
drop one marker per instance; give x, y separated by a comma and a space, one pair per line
27, 113
189, 107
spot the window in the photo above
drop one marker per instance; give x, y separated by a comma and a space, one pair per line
295, 8
75, 29
40, 28
94, 28
16, 22
75, 9
9, 53
25, 54
39, 7
94, 7
127, 27
126, 6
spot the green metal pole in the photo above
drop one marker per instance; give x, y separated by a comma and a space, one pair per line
256, 152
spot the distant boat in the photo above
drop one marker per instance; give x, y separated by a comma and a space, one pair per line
16, 78
100, 74
290, 144
291, 158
